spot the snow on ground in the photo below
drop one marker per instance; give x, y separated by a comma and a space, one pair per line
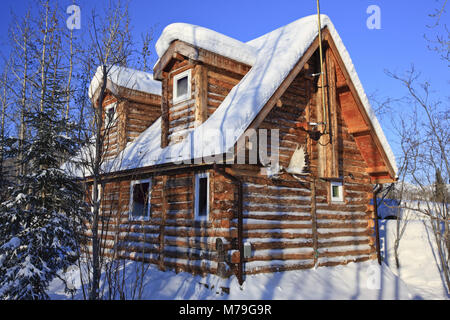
419, 277
354, 281
419, 261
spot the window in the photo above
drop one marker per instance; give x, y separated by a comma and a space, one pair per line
99, 197
201, 196
140, 200
336, 191
110, 115
182, 86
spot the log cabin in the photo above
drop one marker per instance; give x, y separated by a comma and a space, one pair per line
182, 188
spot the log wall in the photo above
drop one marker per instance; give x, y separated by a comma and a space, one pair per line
140, 114
112, 131
171, 237
135, 112
277, 224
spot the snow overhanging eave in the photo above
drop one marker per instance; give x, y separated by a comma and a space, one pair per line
126, 78
195, 38
179, 48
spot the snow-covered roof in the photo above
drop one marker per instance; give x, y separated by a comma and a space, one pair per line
126, 78
275, 54
206, 39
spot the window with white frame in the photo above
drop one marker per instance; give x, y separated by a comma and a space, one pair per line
202, 196
99, 197
182, 86
336, 191
140, 199
110, 115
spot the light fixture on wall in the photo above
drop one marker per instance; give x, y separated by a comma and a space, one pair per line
312, 129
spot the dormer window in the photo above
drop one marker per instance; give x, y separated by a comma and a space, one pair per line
110, 115
182, 86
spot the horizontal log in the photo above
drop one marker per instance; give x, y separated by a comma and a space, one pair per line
279, 267
344, 261
286, 234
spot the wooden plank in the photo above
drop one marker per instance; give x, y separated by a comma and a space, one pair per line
322, 161
332, 148
139, 96
164, 61
201, 94
359, 131
382, 169
162, 225
314, 220
224, 78
165, 114
369, 151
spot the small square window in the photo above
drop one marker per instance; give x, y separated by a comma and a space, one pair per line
110, 115
140, 200
182, 86
337, 191
201, 196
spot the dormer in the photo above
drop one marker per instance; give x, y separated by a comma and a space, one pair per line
198, 68
132, 104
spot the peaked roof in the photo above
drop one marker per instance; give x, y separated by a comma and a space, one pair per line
126, 78
272, 57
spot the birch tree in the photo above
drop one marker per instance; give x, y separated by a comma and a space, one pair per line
110, 41
5, 141
425, 141
21, 34
41, 221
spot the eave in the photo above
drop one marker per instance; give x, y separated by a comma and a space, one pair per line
179, 50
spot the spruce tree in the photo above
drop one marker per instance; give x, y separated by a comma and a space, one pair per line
41, 223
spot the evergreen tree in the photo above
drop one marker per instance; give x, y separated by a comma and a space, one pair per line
41, 223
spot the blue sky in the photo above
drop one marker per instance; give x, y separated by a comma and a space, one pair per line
394, 47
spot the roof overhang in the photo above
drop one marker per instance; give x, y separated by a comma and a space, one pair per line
180, 50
